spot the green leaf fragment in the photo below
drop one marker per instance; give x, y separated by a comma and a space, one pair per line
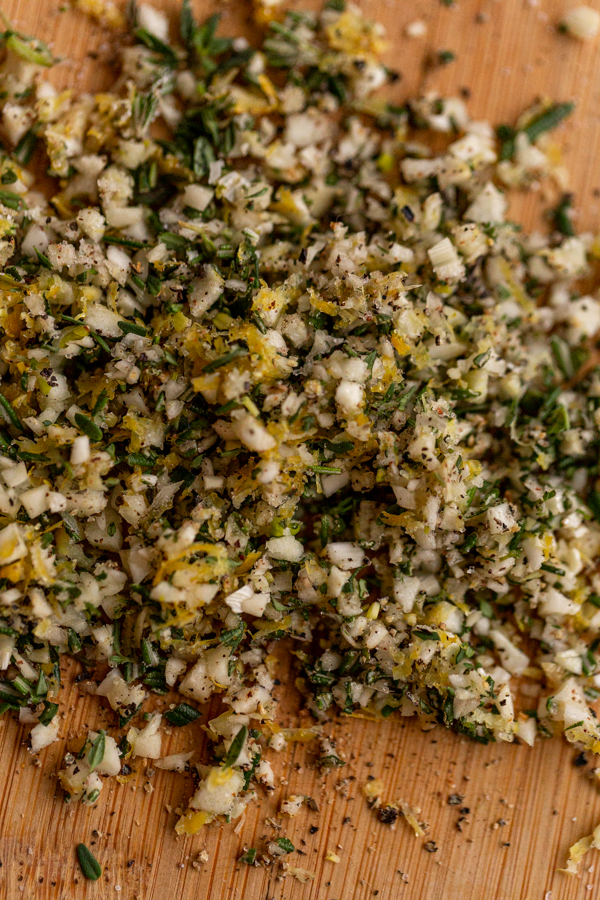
285, 844
9, 413
236, 748
43, 260
26, 146
10, 199
548, 120
30, 49
156, 45
90, 866
182, 715
48, 713
133, 328
225, 360
89, 427
96, 754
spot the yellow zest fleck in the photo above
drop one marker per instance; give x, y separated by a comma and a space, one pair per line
578, 850
191, 822
13, 572
249, 562
267, 627
251, 407
268, 88
400, 345
170, 565
373, 610
180, 322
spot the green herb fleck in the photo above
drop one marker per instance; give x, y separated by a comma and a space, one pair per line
96, 754
89, 427
90, 866
237, 745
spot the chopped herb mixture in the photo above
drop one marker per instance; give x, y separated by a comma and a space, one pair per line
283, 374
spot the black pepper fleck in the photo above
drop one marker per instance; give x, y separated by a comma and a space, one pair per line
388, 814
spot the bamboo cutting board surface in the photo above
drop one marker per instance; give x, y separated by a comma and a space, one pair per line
525, 807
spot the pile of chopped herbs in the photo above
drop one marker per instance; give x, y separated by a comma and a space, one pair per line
271, 371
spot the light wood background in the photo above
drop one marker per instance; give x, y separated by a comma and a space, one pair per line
526, 806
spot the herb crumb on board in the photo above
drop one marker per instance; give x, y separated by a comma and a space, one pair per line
285, 376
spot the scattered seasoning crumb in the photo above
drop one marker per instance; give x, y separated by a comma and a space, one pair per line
201, 860
388, 814
301, 875
445, 56
292, 806
416, 29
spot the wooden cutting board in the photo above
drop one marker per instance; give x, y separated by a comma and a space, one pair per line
525, 807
